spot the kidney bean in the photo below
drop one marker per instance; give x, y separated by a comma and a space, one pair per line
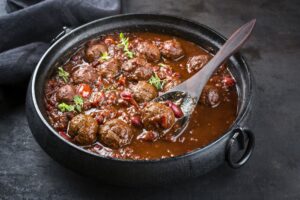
126, 95
136, 121
177, 110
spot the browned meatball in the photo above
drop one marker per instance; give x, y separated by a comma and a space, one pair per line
144, 91
148, 49
195, 63
134, 63
137, 69
157, 116
94, 51
172, 49
169, 85
83, 128
115, 133
85, 74
210, 96
65, 93
109, 68
141, 73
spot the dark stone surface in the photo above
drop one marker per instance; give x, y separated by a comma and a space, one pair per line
273, 172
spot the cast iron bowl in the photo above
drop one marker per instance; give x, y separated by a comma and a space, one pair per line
141, 172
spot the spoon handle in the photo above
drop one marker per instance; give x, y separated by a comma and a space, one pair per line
196, 83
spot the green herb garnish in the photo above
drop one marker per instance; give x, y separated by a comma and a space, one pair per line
156, 81
63, 74
125, 44
104, 57
65, 107
162, 65
78, 102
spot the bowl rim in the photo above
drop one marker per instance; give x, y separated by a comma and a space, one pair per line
243, 113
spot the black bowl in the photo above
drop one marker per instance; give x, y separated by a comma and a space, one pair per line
141, 172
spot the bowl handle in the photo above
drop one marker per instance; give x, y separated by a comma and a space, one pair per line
239, 137
64, 31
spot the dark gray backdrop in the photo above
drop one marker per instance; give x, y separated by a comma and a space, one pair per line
272, 173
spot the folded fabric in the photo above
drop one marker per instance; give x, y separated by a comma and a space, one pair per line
26, 33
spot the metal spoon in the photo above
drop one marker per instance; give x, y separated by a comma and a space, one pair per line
190, 90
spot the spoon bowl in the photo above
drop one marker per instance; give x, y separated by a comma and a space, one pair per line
189, 91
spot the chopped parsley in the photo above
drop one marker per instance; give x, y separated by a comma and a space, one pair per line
68, 108
156, 82
65, 107
104, 57
125, 44
78, 103
63, 74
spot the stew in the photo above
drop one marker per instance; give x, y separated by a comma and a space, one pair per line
100, 97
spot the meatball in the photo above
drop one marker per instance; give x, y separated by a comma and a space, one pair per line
85, 74
142, 73
109, 69
83, 128
65, 93
115, 133
94, 51
172, 49
148, 49
195, 63
157, 116
169, 85
210, 96
137, 69
144, 91
134, 63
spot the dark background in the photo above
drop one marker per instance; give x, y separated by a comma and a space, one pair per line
273, 172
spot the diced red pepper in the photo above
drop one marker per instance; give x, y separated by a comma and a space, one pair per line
164, 122
84, 90
122, 80
228, 81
